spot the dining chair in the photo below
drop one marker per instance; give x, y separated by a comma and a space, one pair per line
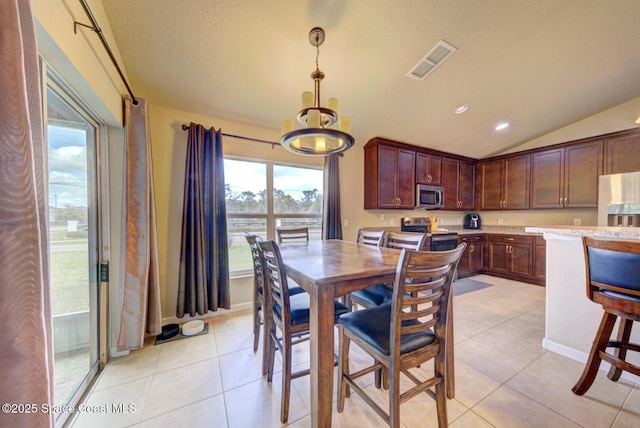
371, 237
287, 313
400, 340
286, 235
258, 296
379, 294
613, 281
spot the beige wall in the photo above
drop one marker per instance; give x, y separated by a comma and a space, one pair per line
169, 143
81, 59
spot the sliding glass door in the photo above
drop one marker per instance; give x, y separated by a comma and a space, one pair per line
72, 141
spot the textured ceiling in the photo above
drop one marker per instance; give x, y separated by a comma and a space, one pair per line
538, 64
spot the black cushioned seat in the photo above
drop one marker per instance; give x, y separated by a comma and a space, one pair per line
373, 325
375, 295
300, 308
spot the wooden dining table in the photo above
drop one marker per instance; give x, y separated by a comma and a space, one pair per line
328, 269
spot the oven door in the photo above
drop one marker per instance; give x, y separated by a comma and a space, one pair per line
444, 242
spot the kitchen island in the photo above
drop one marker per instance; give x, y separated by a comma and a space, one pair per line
571, 319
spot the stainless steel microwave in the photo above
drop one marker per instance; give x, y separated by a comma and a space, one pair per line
429, 197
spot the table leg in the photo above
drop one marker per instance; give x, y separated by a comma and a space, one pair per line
322, 356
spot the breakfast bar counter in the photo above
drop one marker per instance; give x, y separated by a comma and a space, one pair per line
571, 319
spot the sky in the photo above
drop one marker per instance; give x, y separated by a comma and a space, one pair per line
250, 176
67, 166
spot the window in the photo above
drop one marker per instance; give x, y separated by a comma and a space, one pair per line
262, 196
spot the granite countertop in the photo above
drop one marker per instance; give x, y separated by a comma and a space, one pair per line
496, 229
593, 231
510, 230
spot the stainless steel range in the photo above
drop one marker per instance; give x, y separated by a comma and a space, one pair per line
439, 241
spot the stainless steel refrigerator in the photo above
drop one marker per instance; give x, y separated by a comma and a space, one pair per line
619, 200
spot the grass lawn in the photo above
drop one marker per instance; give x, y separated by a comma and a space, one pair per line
69, 281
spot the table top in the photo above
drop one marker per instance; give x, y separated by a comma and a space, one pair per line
336, 261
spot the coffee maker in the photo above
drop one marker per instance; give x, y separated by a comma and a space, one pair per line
472, 221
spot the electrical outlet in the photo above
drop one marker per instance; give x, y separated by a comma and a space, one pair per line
500, 221
381, 217
345, 222
577, 222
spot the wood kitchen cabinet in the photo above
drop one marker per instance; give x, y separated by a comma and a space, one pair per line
472, 260
510, 255
567, 177
539, 258
504, 183
458, 180
623, 153
428, 169
389, 176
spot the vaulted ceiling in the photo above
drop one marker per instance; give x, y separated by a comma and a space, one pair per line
537, 64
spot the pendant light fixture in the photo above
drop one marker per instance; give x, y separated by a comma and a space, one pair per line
317, 137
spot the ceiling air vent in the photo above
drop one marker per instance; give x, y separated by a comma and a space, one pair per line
432, 60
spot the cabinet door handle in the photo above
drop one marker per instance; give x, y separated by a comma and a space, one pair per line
471, 248
565, 202
561, 204
508, 239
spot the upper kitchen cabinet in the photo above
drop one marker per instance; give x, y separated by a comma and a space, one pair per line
428, 169
623, 153
567, 177
504, 183
458, 179
389, 175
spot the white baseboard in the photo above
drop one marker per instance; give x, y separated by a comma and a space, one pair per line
580, 356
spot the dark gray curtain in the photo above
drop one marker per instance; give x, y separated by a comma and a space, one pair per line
204, 262
331, 223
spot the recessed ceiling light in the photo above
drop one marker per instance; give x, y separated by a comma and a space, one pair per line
501, 126
461, 109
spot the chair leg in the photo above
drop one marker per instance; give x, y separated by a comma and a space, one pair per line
594, 360
393, 375
286, 378
271, 354
343, 367
256, 324
624, 332
441, 390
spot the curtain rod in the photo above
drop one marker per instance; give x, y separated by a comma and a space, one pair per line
240, 137
94, 27
255, 140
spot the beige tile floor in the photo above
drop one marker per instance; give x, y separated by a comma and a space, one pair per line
504, 378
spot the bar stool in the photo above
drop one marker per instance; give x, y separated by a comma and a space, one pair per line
613, 281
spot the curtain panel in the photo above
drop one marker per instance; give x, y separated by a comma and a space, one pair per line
331, 222
141, 310
26, 345
203, 283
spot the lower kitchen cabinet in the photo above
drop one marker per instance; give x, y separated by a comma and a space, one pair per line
540, 259
510, 256
472, 260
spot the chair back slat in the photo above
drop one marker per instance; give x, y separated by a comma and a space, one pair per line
299, 234
409, 240
432, 305
253, 240
275, 282
371, 237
